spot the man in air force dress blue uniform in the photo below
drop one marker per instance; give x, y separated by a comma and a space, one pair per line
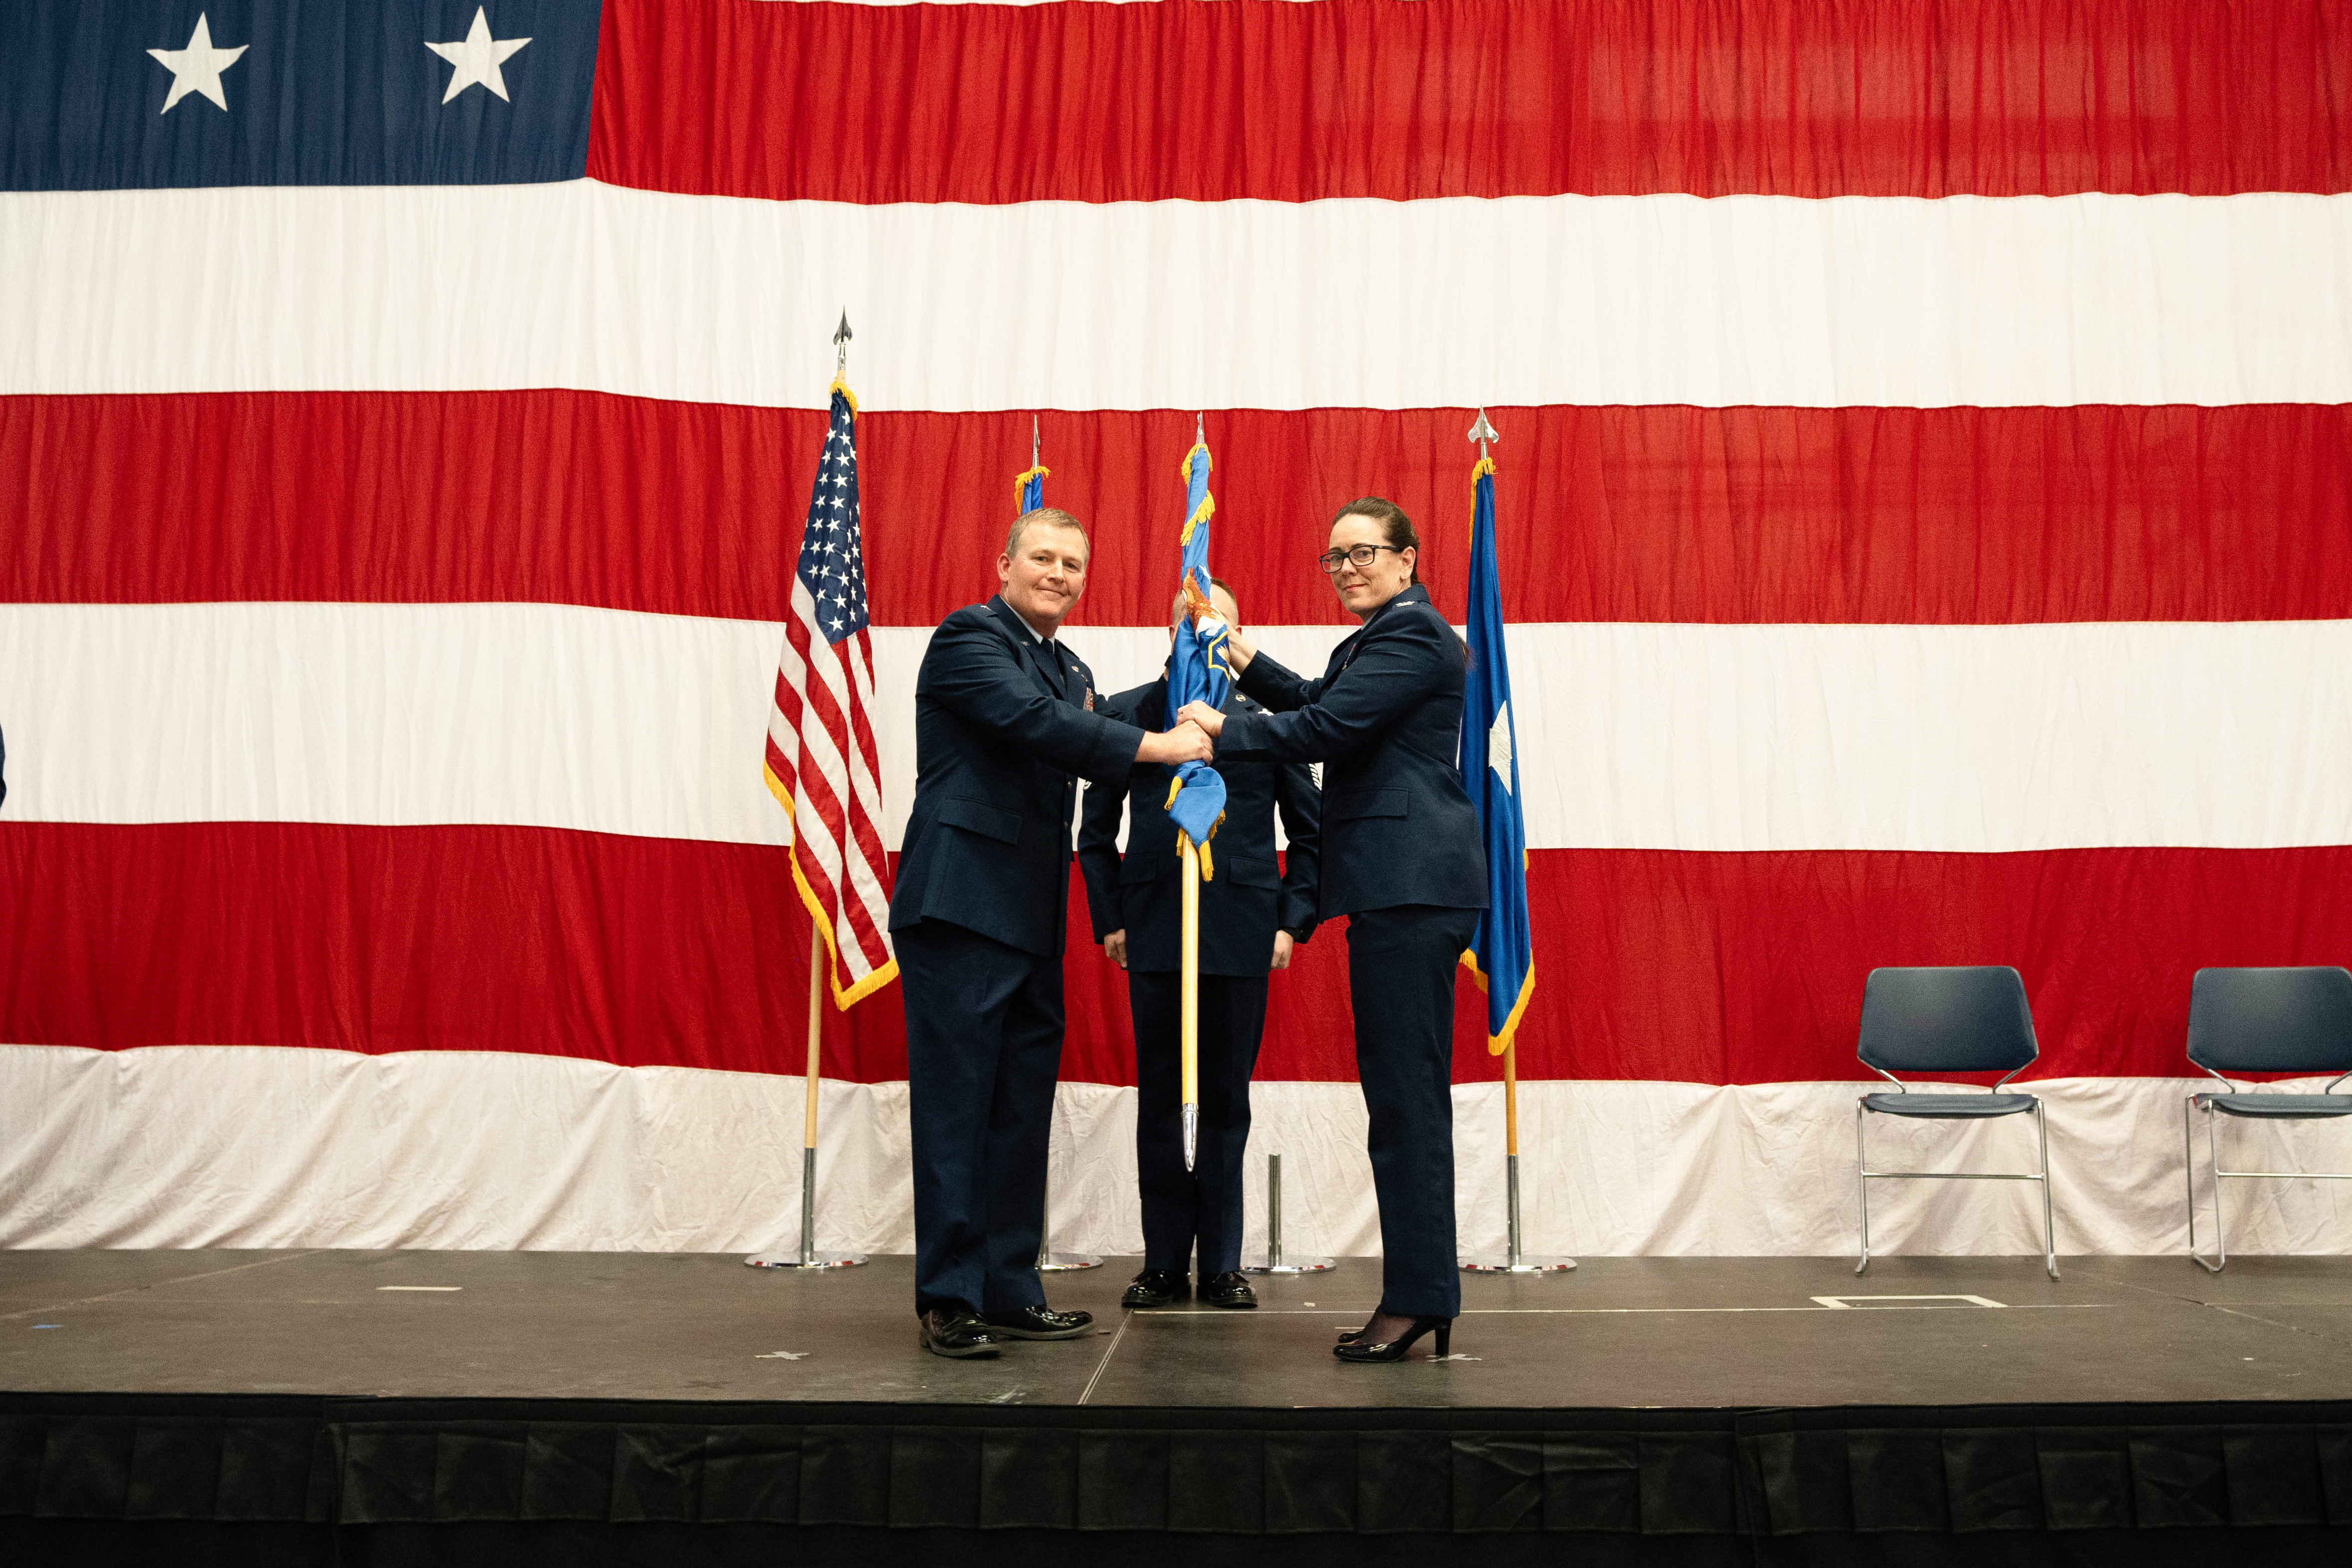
1005, 724
1249, 920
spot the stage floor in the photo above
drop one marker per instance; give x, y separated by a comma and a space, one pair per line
1619, 1333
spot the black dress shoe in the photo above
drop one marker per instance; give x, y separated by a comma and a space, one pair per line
1362, 1350
1156, 1287
1039, 1324
953, 1331
1228, 1290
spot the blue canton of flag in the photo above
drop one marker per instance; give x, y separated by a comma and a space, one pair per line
1502, 955
144, 94
1197, 672
833, 553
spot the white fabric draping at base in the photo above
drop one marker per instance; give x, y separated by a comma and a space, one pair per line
271, 1147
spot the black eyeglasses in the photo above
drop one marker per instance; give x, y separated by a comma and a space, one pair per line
1359, 557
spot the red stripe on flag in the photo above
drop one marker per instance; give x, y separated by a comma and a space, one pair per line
1470, 98
1651, 964
857, 667
828, 879
1896, 515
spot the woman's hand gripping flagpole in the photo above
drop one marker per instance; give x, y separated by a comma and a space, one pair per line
1197, 672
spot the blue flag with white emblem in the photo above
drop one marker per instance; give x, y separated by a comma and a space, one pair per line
1502, 955
1197, 671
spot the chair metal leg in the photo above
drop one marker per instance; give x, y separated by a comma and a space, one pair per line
2221, 1237
2189, 1175
2049, 1230
1861, 1182
2188, 1168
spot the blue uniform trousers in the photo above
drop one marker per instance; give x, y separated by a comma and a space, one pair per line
1401, 968
1202, 1205
983, 1051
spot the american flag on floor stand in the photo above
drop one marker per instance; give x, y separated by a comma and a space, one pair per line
821, 754
821, 769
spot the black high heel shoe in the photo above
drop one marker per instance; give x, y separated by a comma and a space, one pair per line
1357, 1350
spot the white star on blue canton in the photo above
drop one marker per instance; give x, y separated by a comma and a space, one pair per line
197, 68
477, 58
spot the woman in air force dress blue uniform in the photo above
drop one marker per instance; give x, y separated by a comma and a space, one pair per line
1402, 858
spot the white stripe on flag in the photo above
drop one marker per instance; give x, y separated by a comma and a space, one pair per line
1974, 737
1638, 299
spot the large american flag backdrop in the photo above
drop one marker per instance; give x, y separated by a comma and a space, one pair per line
1926, 535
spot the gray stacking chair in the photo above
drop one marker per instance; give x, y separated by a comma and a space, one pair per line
1971, 1018
2263, 1020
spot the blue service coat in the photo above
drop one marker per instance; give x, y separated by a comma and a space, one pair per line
1246, 901
1385, 721
999, 749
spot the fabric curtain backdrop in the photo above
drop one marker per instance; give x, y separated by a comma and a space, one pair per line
1927, 537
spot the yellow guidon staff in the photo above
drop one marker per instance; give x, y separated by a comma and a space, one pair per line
1197, 672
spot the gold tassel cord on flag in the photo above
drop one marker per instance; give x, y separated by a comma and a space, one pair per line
1208, 507
1208, 863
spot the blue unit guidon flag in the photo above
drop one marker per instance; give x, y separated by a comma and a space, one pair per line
133, 94
1029, 484
821, 753
1502, 954
1197, 671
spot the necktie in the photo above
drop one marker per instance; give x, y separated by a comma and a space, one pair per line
1049, 659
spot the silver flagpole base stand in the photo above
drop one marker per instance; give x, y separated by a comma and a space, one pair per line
1513, 1261
808, 1256
1274, 1262
1052, 1262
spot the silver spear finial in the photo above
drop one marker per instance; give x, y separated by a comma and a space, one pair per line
1033, 440
841, 348
1482, 433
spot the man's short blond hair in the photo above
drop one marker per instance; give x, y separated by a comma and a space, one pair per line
1052, 517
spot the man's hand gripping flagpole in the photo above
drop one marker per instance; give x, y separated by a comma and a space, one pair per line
1197, 672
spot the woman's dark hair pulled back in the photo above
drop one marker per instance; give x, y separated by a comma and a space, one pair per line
1396, 531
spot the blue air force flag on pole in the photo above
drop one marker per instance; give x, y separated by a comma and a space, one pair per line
1029, 484
1197, 671
1502, 955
